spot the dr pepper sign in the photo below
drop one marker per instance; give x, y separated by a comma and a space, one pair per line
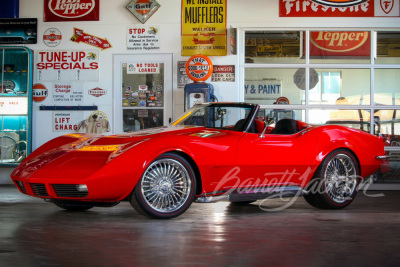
199, 68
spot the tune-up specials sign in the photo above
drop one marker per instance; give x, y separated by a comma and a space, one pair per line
67, 65
204, 27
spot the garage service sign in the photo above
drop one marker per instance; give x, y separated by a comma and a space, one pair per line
264, 89
68, 93
204, 27
144, 38
71, 10
66, 121
67, 65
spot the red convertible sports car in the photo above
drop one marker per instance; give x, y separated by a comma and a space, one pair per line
214, 151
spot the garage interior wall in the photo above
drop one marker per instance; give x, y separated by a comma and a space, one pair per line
113, 24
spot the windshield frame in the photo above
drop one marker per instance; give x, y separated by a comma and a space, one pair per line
249, 118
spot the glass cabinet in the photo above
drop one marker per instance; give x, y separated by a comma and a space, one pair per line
15, 104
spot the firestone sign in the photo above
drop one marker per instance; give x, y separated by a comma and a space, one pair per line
339, 8
71, 10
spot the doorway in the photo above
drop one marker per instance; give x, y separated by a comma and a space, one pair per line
142, 91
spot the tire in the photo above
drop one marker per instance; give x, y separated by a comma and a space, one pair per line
334, 185
166, 189
73, 205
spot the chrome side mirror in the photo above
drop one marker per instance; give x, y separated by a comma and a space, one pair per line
268, 121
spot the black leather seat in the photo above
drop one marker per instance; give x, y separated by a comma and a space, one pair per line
239, 126
285, 126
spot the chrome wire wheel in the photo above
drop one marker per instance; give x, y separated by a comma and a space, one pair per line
340, 178
166, 185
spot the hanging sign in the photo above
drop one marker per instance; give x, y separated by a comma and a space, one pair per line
71, 10
204, 28
143, 9
143, 38
199, 68
67, 65
80, 36
339, 8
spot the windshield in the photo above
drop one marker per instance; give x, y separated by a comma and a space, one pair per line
234, 117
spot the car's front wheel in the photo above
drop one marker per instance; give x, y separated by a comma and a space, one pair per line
167, 187
335, 182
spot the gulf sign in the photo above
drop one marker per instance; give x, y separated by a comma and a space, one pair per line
39, 92
71, 10
340, 43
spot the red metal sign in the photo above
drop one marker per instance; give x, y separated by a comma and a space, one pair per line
81, 36
71, 10
328, 43
339, 8
387, 5
339, 3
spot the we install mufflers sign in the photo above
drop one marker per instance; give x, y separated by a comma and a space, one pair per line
204, 27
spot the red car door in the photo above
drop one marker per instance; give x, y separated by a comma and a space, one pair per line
276, 160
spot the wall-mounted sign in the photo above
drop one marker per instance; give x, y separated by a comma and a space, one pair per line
338, 8
67, 93
223, 73
14, 105
204, 28
183, 78
81, 36
97, 92
18, 31
71, 10
263, 89
52, 37
143, 9
199, 68
67, 65
39, 92
143, 38
142, 68
341, 43
66, 121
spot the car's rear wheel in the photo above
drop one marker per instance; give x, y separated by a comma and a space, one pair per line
73, 205
335, 182
167, 187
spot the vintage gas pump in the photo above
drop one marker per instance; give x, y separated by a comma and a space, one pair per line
199, 68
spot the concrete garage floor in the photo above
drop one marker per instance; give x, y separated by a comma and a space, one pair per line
367, 233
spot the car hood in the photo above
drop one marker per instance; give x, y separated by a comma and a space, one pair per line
89, 152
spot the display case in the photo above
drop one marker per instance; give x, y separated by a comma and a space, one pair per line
15, 104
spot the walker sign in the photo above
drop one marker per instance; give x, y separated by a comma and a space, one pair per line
67, 65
